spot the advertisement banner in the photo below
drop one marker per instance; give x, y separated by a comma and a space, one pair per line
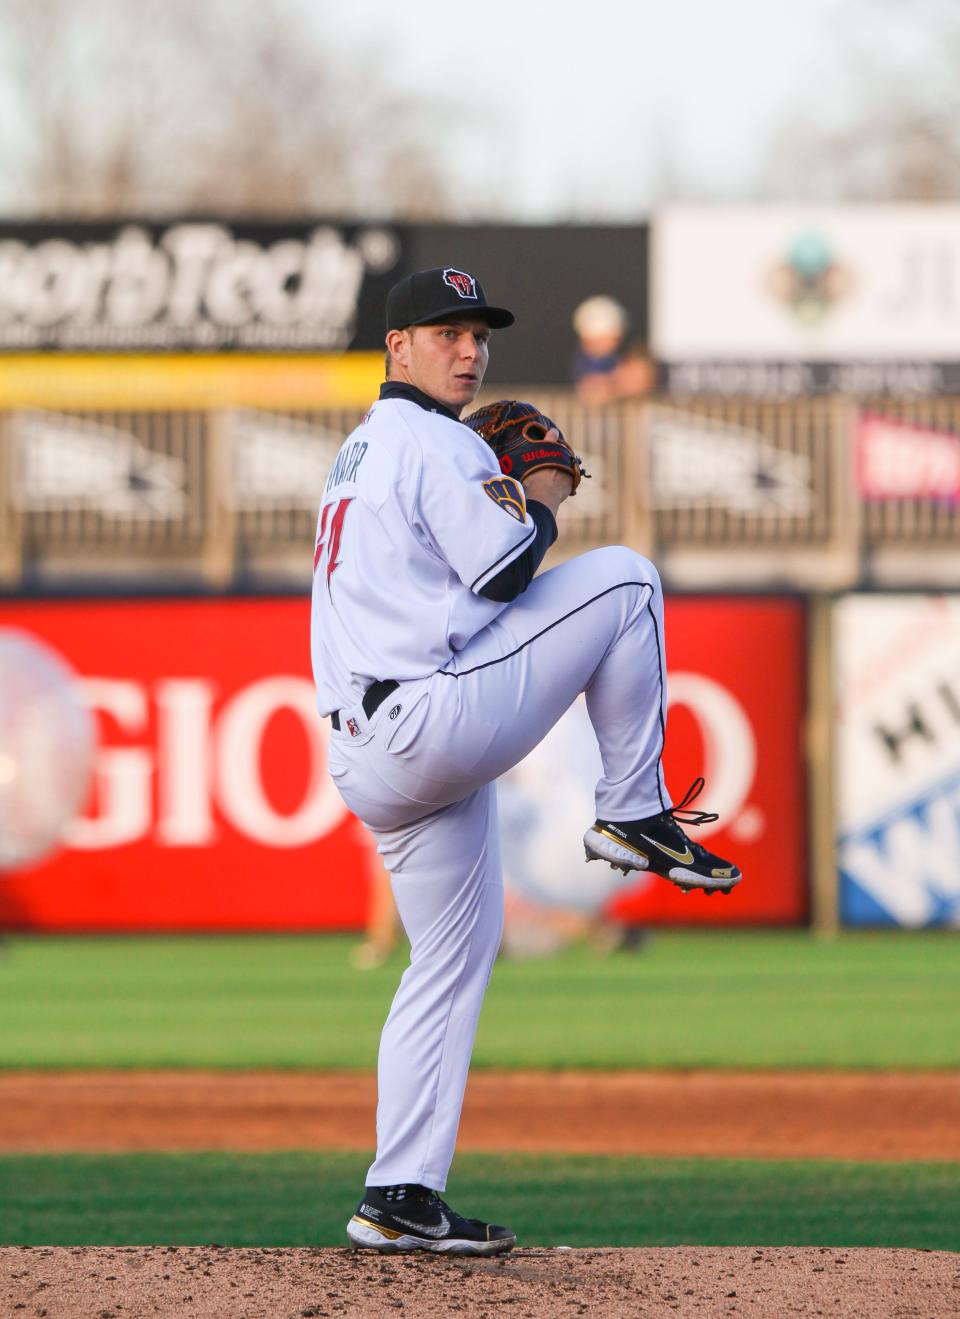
702, 462
737, 693
211, 808
854, 299
901, 460
205, 285
898, 758
260, 289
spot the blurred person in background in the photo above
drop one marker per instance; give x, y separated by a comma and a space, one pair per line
605, 366
383, 930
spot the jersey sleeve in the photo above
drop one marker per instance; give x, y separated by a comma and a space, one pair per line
475, 516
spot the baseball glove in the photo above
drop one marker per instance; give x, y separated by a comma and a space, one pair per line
516, 432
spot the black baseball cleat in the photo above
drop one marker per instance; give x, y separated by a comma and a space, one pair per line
412, 1217
659, 844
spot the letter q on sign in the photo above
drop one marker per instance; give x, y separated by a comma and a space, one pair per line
240, 732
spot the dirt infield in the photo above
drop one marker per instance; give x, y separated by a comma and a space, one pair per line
787, 1114
214, 1283
761, 1115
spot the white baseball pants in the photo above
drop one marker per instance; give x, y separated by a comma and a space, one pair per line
420, 774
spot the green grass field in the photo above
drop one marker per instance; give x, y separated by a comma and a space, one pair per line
743, 1000
717, 999
295, 1199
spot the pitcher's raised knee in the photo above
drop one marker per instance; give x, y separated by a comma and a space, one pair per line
616, 564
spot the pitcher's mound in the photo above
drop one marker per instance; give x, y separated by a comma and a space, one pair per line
212, 1282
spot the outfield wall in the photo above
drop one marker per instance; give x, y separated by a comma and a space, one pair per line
211, 808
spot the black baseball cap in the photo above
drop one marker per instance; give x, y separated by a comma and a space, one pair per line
433, 295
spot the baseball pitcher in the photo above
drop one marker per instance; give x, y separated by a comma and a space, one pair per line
441, 660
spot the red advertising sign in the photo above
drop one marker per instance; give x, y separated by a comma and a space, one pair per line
211, 808
737, 703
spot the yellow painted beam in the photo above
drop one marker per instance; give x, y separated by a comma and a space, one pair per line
148, 381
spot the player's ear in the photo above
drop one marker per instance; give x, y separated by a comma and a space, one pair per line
398, 348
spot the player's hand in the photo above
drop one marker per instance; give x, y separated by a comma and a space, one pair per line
549, 485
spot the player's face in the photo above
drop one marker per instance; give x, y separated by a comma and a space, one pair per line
447, 361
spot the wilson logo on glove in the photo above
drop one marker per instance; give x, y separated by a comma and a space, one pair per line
532, 454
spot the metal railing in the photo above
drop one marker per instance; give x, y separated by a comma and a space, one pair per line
722, 493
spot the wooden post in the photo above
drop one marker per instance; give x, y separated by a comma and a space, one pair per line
846, 513
11, 544
218, 544
636, 513
821, 767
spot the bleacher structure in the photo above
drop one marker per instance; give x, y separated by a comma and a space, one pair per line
725, 494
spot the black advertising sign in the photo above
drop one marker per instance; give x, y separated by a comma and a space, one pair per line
195, 285
542, 273
215, 286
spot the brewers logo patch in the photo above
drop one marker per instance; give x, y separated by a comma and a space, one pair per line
506, 492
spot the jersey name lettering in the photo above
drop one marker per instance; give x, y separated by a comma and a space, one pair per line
345, 466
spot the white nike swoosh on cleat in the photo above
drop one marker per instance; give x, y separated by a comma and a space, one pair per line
683, 857
442, 1227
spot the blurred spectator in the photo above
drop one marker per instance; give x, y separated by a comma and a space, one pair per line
384, 931
605, 366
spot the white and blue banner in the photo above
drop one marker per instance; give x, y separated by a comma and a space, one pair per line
898, 759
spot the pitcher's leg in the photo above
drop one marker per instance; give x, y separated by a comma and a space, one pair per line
594, 625
627, 704
446, 878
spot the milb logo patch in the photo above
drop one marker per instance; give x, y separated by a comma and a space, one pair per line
508, 495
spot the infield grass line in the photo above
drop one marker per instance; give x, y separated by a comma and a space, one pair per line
303, 1199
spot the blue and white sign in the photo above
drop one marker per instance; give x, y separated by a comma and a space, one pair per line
898, 750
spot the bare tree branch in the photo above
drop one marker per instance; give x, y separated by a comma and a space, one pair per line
901, 138
138, 106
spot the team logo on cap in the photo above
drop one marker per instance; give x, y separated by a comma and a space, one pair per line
508, 494
463, 284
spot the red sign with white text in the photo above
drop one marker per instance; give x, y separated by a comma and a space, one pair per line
901, 460
211, 808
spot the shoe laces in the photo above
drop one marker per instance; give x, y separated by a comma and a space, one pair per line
410, 1193
683, 816
434, 1201
423, 1195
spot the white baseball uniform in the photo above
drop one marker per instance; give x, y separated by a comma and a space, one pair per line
416, 519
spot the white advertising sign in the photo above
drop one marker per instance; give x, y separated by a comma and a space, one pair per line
700, 462
279, 461
69, 462
898, 748
808, 283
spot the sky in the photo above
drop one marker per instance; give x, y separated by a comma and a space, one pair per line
535, 111
603, 105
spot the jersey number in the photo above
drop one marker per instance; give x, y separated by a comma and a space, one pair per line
336, 532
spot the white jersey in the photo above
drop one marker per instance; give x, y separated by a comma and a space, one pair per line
416, 519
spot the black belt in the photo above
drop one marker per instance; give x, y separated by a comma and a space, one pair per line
373, 698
